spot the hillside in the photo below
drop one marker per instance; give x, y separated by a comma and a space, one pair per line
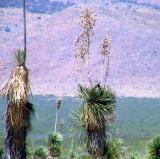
134, 29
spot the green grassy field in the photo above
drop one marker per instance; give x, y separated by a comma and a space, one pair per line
137, 120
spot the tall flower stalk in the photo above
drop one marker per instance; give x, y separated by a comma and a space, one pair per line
82, 45
25, 30
105, 52
55, 138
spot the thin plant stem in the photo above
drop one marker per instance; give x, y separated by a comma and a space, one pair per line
88, 53
72, 144
81, 79
107, 70
102, 69
55, 126
25, 30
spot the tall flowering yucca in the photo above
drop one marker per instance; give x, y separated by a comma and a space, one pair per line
98, 102
19, 110
55, 138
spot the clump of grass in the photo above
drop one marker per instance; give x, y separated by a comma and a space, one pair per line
154, 148
113, 150
40, 153
29, 151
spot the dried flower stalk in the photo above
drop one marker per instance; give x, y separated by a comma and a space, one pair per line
82, 44
105, 52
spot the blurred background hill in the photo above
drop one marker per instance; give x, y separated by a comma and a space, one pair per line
52, 29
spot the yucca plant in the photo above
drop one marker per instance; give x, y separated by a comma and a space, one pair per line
154, 148
40, 153
19, 109
54, 144
98, 102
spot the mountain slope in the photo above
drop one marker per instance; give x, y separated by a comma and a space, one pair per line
134, 53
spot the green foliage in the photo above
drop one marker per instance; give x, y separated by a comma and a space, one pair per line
54, 144
86, 157
40, 153
113, 150
135, 157
154, 148
97, 103
1, 152
20, 58
29, 151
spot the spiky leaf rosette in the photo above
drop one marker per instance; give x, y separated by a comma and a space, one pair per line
19, 58
16, 88
97, 103
54, 144
154, 148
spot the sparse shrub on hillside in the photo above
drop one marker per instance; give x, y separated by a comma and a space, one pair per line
40, 153
98, 100
154, 148
54, 144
